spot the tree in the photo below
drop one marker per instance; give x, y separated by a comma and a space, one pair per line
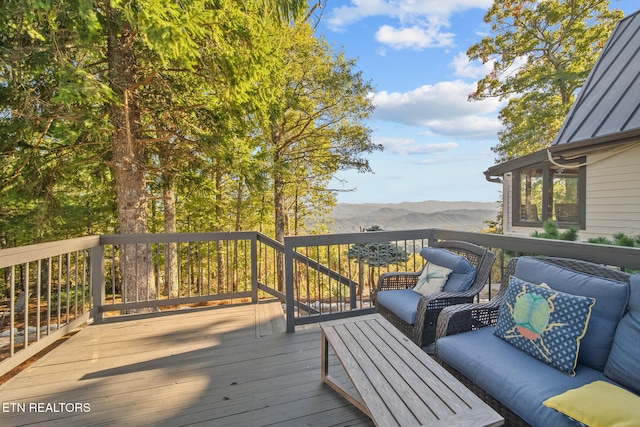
376, 254
78, 78
542, 52
314, 125
551, 231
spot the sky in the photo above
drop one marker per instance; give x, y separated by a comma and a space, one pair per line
437, 144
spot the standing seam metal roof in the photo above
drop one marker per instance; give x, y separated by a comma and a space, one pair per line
608, 105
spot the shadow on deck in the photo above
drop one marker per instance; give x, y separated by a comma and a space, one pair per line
225, 366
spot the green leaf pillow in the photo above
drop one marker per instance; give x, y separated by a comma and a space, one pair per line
544, 323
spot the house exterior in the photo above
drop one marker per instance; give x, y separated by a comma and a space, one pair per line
590, 176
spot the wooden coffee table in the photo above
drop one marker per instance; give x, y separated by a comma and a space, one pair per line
392, 380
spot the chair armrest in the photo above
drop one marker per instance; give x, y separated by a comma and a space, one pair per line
396, 280
442, 300
467, 317
388, 281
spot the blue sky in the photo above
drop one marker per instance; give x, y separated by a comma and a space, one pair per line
437, 144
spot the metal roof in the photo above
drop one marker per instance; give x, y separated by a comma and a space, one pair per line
607, 108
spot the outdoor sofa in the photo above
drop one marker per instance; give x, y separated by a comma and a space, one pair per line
551, 356
415, 314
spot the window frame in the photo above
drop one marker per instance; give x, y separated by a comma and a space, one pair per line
547, 196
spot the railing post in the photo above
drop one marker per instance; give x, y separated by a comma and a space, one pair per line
254, 268
289, 277
97, 280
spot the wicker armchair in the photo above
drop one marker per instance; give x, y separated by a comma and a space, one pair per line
467, 317
423, 332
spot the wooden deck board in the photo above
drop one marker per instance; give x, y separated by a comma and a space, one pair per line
223, 366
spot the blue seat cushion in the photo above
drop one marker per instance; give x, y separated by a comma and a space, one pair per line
402, 302
463, 273
611, 298
623, 365
513, 377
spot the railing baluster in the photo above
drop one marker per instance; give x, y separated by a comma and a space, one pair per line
59, 293
12, 310
49, 273
38, 290
25, 308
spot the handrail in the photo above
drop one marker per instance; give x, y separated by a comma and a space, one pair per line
32, 253
618, 256
71, 266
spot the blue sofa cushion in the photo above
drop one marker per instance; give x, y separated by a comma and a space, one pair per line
611, 302
623, 365
463, 273
402, 302
513, 377
544, 323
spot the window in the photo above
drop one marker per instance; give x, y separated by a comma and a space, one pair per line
549, 193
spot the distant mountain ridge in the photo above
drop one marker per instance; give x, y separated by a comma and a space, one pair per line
463, 216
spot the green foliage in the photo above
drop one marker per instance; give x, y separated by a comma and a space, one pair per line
551, 231
312, 126
619, 239
542, 52
194, 106
377, 254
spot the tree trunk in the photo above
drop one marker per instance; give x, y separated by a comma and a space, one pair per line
171, 250
221, 270
281, 223
280, 206
129, 166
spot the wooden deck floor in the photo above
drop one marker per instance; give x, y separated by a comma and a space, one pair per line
231, 366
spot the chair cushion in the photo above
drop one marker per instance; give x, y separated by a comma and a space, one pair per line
623, 365
598, 404
463, 273
611, 302
513, 377
402, 302
544, 323
432, 279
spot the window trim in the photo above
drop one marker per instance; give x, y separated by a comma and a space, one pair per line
547, 196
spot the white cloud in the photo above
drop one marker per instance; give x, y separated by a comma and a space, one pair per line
409, 146
414, 37
472, 127
421, 22
443, 108
470, 69
404, 10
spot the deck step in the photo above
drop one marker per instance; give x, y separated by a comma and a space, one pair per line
269, 318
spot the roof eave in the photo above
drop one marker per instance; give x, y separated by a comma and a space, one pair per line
493, 172
568, 150
597, 143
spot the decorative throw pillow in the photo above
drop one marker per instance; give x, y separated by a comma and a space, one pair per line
544, 323
463, 273
598, 404
432, 279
